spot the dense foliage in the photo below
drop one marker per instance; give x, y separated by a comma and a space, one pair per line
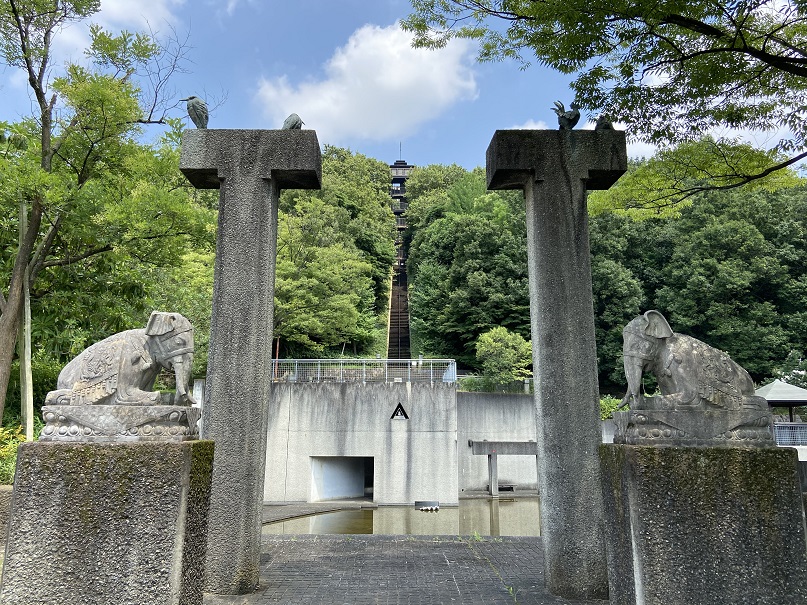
467, 263
504, 356
731, 269
90, 194
335, 256
671, 71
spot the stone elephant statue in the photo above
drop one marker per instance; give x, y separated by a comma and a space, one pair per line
691, 375
121, 369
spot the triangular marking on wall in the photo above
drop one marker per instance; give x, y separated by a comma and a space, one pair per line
399, 412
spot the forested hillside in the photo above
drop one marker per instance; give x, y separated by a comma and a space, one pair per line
730, 268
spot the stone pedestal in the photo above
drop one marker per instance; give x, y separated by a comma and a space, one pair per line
95, 524
250, 167
704, 526
555, 169
120, 423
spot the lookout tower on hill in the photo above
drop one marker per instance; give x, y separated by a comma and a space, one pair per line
399, 172
398, 335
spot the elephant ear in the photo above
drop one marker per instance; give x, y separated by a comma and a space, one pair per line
160, 323
657, 325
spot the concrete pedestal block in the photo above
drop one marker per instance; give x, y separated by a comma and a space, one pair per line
698, 526
96, 524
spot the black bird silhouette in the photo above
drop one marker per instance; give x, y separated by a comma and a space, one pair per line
567, 119
603, 123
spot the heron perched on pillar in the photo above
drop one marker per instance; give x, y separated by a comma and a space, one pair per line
293, 122
197, 110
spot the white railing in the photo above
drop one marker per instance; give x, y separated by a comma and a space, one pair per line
364, 370
790, 433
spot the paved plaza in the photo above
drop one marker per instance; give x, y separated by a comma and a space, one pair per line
396, 570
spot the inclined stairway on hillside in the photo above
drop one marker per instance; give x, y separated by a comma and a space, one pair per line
398, 341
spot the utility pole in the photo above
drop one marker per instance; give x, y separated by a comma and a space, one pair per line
24, 349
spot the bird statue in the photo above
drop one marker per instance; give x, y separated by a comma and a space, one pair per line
197, 110
293, 122
603, 123
567, 119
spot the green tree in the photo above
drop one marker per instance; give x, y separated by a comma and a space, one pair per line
360, 187
335, 255
80, 140
793, 370
324, 293
467, 266
664, 183
736, 276
503, 355
618, 293
670, 71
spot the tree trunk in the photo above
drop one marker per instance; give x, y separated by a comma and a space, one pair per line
10, 319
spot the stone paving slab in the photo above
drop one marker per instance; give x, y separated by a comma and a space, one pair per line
397, 570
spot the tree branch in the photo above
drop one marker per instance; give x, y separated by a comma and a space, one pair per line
62, 262
685, 193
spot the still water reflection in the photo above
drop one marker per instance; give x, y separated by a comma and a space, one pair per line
479, 516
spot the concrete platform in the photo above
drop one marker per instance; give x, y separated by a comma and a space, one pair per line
387, 570
422, 570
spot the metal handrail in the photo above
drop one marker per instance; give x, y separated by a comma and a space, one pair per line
790, 433
364, 370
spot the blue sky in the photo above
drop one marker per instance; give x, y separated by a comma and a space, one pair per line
343, 65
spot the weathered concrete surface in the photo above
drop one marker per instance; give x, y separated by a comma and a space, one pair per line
250, 167
495, 416
5, 508
94, 524
555, 169
698, 526
414, 459
367, 570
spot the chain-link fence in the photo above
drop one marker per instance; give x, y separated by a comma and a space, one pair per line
790, 433
364, 370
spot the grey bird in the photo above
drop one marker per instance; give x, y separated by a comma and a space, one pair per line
293, 122
567, 119
603, 123
197, 110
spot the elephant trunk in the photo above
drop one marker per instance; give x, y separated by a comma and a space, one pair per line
181, 364
634, 366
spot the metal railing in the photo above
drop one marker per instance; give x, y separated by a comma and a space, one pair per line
364, 370
790, 433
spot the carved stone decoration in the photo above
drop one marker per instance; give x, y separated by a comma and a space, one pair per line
106, 423
121, 369
706, 398
106, 393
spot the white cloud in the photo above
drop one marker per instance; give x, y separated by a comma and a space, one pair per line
531, 125
375, 87
116, 15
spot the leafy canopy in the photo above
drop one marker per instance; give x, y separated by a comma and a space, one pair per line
671, 71
504, 356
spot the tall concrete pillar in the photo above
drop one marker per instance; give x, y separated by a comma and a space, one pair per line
555, 169
250, 167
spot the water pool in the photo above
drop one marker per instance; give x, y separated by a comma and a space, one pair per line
483, 517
